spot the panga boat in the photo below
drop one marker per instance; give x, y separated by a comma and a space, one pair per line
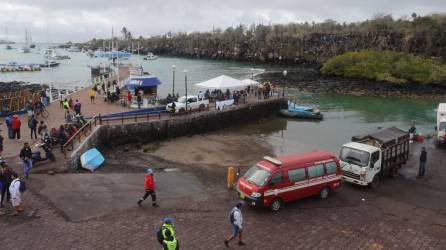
296, 111
49, 64
92, 159
150, 56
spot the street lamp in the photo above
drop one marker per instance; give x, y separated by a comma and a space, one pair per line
284, 83
173, 81
252, 73
185, 85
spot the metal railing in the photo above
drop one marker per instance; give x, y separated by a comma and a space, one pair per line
84, 131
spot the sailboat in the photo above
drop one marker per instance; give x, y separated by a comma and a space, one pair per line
25, 48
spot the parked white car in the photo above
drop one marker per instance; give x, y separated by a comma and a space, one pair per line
193, 103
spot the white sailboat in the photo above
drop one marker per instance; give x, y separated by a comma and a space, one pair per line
25, 47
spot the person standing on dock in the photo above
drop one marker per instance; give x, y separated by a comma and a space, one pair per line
8, 121
32, 125
149, 185
14, 189
26, 155
1, 144
77, 107
129, 99
6, 179
422, 166
61, 100
16, 124
92, 95
66, 104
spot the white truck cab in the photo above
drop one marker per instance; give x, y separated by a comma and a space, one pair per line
360, 162
369, 157
441, 123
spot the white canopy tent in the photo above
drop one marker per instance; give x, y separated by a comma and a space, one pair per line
250, 82
222, 82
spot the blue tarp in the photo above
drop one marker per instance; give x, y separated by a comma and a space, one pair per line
142, 81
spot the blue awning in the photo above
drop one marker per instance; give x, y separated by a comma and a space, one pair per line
142, 81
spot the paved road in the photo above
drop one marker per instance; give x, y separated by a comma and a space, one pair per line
404, 213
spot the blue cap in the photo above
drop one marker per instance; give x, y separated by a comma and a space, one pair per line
168, 220
149, 171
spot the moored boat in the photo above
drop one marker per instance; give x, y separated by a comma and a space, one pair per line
296, 111
150, 56
49, 64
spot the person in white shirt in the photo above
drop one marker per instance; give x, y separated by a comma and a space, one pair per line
236, 220
14, 189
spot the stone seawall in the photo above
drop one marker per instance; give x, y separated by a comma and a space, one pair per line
109, 136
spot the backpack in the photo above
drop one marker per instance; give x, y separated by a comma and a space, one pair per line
159, 235
22, 187
231, 217
31, 123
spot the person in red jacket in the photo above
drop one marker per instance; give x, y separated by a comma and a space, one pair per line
16, 123
149, 185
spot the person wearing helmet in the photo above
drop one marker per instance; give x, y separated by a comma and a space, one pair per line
149, 185
169, 242
166, 231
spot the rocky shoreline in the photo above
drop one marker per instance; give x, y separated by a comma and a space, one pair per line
13, 86
311, 80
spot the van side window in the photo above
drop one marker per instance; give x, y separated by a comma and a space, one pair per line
276, 179
316, 171
331, 167
296, 175
375, 156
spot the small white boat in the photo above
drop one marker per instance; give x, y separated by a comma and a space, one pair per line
92, 159
150, 56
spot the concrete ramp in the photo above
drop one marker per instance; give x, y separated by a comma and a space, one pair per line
83, 196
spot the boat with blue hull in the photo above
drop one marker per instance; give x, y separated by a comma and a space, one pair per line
92, 159
296, 111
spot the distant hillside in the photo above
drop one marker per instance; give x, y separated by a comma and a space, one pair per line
304, 43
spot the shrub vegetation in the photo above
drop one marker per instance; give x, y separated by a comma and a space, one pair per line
390, 66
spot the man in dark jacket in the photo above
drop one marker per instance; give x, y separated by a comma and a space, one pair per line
6, 179
32, 125
423, 159
26, 155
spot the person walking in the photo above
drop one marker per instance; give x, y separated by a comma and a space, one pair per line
61, 100
14, 189
66, 104
139, 100
16, 124
236, 219
149, 185
77, 107
62, 137
8, 121
423, 159
92, 95
40, 127
6, 179
165, 230
32, 125
26, 155
169, 242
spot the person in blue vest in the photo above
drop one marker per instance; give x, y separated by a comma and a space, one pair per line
8, 121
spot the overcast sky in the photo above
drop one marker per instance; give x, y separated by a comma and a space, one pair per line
81, 20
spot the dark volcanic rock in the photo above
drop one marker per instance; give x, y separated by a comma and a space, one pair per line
13, 86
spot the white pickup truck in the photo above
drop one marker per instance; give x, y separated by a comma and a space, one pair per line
193, 103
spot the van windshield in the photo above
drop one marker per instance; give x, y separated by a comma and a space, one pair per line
355, 156
257, 175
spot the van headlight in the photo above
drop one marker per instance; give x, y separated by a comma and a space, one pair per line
255, 195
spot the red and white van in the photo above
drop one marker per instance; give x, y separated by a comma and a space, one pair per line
273, 181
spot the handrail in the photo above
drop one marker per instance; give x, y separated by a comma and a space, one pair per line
78, 134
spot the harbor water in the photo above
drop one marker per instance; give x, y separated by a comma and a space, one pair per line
344, 116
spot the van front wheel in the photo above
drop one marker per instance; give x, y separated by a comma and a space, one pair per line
325, 192
275, 205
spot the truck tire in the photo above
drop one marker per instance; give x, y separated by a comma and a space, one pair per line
202, 107
275, 205
375, 182
182, 110
324, 193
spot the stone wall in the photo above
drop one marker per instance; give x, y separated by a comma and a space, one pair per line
110, 136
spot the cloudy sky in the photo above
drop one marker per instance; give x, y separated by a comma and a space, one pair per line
80, 20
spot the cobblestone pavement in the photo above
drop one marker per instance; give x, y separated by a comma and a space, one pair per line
203, 224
